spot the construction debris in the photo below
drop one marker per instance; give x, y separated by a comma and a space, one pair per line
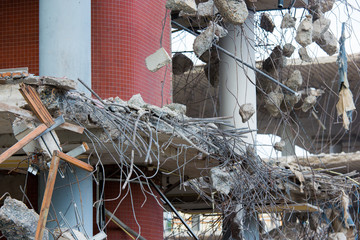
17, 221
181, 63
308, 103
233, 11
207, 9
273, 101
62, 83
157, 60
295, 80
211, 71
246, 111
320, 26
291, 99
188, 6
328, 43
275, 61
279, 146
267, 23
288, 21
68, 234
288, 49
204, 41
304, 55
304, 32
221, 180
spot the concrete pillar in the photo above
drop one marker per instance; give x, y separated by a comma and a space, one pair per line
65, 39
237, 87
65, 50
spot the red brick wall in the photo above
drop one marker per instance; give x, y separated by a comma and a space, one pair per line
123, 34
149, 216
19, 34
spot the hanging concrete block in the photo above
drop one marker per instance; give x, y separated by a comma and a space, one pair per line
246, 111
288, 21
275, 61
304, 32
207, 9
181, 64
204, 41
320, 26
233, 11
279, 146
188, 6
304, 55
212, 73
210, 56
288, 50
308, 103
295, 80
221, 180
291, 99
328, 43
157, 60
272, 103
267, 23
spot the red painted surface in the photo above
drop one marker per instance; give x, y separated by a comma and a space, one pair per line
123, 34
19, 38
149, 214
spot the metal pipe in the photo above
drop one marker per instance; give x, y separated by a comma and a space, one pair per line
173, 209
280, 3
239, 60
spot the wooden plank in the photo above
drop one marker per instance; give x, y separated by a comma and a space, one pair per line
25, 113
20, 144
49, 188
74, 161
35, 103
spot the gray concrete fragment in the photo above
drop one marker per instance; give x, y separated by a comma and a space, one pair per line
288, 50
65, 234
221, 180
210, 56
272, 103
328, 43
188, 6
304, 32
207, 9
204, 41
323, 5
295, 80
181, 64
63, 83
267, 23
157, 60
288, 21
32, 80
279, 146
246, 111
291, 99
137, 102
304, 55
337, 236
212, 73
320, 26
233, 11
177, 107
17, 221
308, 103
275, 61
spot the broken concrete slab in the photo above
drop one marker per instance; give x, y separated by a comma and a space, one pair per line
221, 180
233, 11
320, 26
288, 21
304, 32
308, 103
188, 6
288, 49
207, 9
304, 55
246, 111
137, 102
17, 221
177, 107
157, 60
272, 103
275, 61
328, 43
62, 83
295, 80
267, 23
204, 41
11, 95
181, 63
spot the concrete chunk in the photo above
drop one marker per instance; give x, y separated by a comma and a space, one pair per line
207, 9
320, 26
328, 43
188, 6
63, 83
295, 80
288, 21
221, 180
157, 60
181, 64
288, 50
233, 11
304, 32
304, 55
267, 23
246, 111
279, 146
272, 103
308, 103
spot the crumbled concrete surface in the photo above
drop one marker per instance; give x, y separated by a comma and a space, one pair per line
323, 5
17, 221
279, 146
207, 9
291, 99
295, 80
65, 234
221, 180
320, 26
275, 61
233, 11
246, 111
304, 32
337, 236
137, 102
62, 83
272, 103
204, 41
267, 23
188, 6
288, 50
308, 103
304, 55
288, 21
328, 43
181, 64
177, 107
157, 60
11, 95
212, 73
